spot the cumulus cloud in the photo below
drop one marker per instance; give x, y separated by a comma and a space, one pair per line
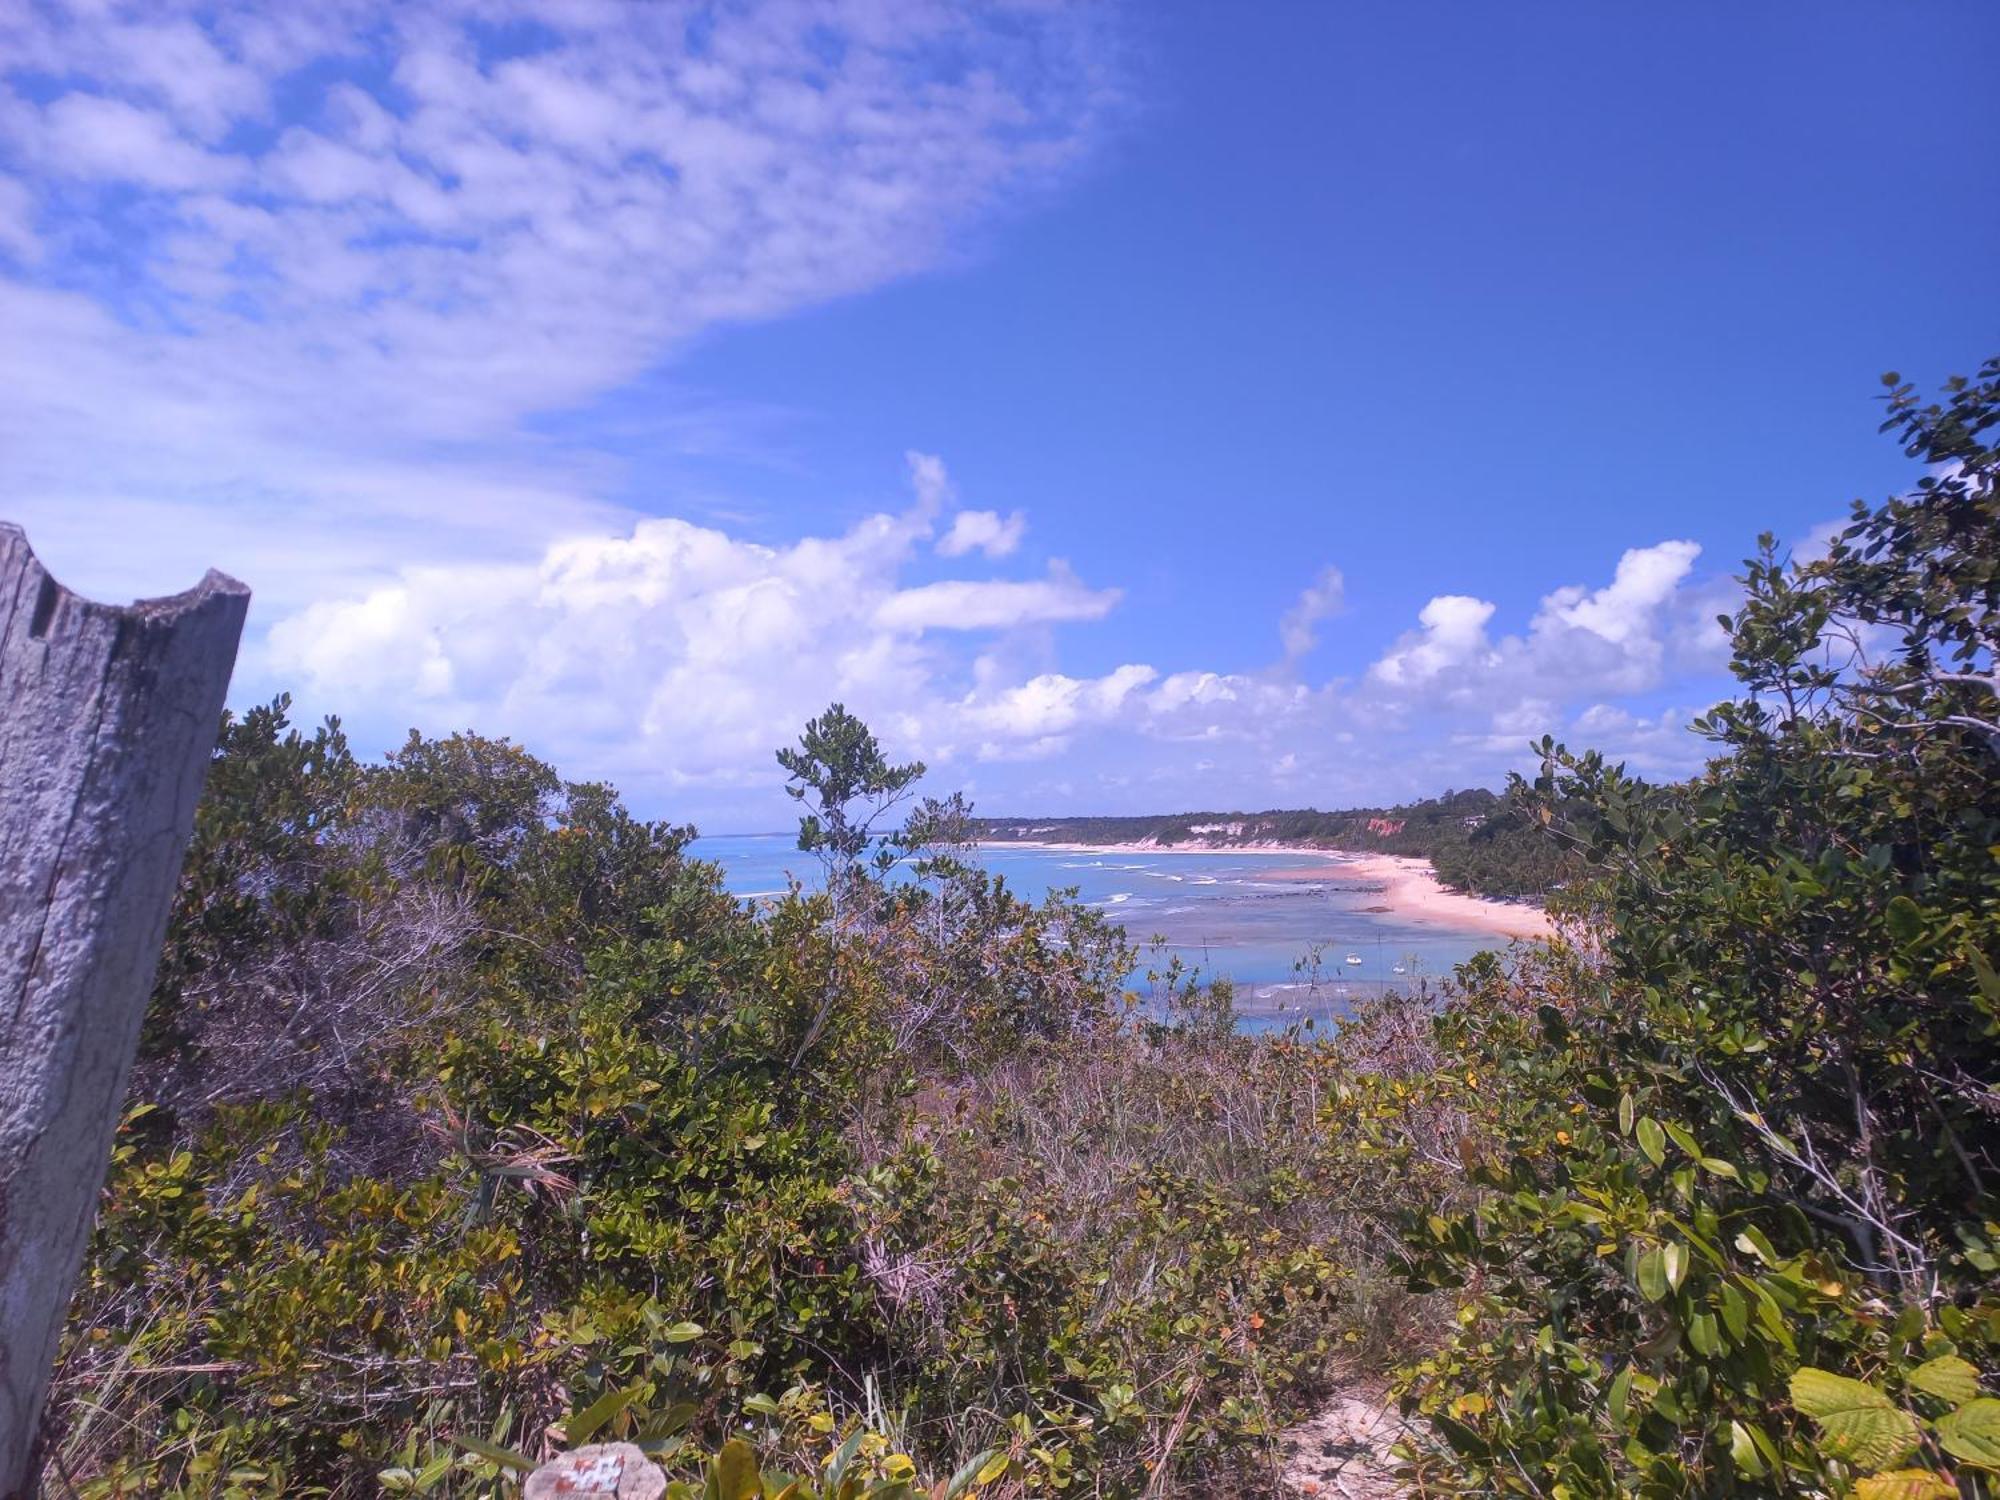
1580, 642
984, 531
672, 656
1036, 718
1450, 638
680, 647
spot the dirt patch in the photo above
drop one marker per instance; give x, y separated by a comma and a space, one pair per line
1343, 1453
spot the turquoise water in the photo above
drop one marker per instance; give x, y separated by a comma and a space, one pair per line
1227, 914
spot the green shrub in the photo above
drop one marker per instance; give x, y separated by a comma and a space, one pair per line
1734, 1198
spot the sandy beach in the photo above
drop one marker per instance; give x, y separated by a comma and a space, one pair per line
1409, 886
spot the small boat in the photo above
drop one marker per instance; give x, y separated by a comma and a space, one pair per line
1354, 959
1399, 969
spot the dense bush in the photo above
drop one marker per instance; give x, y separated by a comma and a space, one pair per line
1732, 1222
475, 1117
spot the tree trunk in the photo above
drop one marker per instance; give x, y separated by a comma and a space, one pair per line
107, 721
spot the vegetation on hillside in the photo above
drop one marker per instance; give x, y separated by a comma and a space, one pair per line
475, 1120
1476, 840
1731, 1218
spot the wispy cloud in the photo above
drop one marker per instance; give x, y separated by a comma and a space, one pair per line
1322, 598
283, 263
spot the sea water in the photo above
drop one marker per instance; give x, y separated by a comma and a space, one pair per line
1224, 914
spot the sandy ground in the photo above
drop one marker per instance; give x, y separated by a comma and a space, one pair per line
1409, 886
1344, 1452
1410, 889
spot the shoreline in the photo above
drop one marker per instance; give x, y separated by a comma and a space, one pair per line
1410, 886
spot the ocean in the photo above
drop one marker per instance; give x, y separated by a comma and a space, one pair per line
1224, 913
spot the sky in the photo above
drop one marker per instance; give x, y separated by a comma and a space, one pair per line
1124, 408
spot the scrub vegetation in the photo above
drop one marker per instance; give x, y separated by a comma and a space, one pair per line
476, 1120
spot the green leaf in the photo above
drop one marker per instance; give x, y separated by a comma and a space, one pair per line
735, 1472
1625, 1114
1652, 1140
505, 1457
1735, 1312
1858, 1424
662, 1425
684, 1333
1652, 1276
1620, 1395
580, 1428
1821, 1393
837, 1466
1973, 1432
1988, 976
1702, 1334
1905, 1484
1947, 1377
1752, 1241
1905, 919
992, 1469
1674, 1258
762, 1405
1743, 1452
967, 1475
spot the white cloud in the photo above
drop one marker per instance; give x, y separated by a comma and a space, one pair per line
930, 479
370, 236
17, 221
1623, 610
993, 605
678, 649
1321, 598
89, 137
1451, 637
672, 657
1036, 717
983, 531
1580, 641
1649, 628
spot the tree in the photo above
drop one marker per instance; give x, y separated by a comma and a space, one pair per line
848, 785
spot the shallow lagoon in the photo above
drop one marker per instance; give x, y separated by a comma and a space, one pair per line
1251, 917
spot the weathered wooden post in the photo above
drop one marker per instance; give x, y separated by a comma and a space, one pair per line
107, 720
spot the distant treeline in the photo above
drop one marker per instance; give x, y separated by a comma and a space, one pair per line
1476, 841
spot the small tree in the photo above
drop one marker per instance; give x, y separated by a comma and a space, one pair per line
849, 787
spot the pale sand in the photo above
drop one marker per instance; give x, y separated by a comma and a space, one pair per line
1409, 886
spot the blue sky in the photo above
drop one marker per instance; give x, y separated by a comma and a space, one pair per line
1126, 408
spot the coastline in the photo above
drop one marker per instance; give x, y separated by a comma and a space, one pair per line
1410, 887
